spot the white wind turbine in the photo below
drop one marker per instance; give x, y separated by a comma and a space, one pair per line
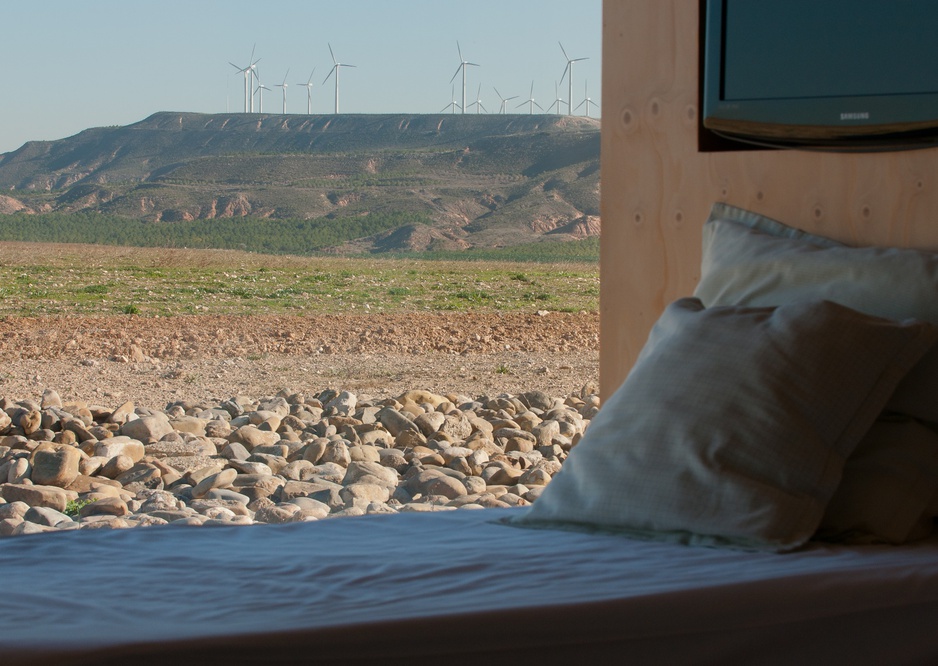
505, 100
478, 103
284, 86
453, 105
309, 92
462, 66
249, 74
260, 93
530, 102
586, 100
568, 72
558, 101
336, 65
246, 72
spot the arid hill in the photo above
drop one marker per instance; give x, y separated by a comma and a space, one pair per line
466, 180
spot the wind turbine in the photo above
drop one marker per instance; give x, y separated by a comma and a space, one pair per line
309, 92
557, 101
249, 74
260, 93
504, 100
569, 70
462, 66
478, 103
530, 102
586, 100
336, 65
284, 86
453, 105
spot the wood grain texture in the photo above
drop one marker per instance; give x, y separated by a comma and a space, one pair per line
657, 188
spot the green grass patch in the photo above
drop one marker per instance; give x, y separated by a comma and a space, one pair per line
61, 279
94, 289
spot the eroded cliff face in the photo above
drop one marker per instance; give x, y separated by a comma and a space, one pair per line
9, 205
475, 180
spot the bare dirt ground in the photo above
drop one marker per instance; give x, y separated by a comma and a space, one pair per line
154, 361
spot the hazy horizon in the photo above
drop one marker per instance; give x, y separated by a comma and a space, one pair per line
112, 62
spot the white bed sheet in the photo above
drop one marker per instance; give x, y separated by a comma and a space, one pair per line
410, 586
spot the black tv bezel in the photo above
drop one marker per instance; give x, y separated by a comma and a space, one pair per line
794, 122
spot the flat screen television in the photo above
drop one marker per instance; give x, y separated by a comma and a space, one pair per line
823, 74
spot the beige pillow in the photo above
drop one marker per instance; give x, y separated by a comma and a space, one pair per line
887, 480
749, 259
734, 425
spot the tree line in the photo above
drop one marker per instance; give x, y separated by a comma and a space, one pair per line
282, 236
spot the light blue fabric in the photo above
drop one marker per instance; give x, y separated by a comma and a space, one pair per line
734, 425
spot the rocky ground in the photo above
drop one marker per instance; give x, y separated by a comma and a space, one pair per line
120, 422
156, 360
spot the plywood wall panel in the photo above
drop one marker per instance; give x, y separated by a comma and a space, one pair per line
657, 187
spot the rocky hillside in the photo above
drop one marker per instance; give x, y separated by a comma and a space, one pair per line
468, 180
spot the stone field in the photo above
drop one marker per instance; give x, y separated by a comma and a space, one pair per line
288, 457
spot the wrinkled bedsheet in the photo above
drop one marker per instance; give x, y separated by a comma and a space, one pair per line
462, 585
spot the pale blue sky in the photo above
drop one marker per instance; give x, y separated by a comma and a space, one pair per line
74, 64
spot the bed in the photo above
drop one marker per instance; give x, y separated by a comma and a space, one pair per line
457, 587
762, 488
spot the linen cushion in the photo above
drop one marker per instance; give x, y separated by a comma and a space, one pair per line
750, 259
887, 480
734, 425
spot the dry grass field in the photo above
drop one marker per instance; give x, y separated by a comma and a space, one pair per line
104, 324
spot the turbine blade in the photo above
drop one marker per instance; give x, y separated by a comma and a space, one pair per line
334, 61
563, 51
335, 67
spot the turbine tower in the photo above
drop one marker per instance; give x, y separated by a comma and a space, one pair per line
462, 66
249, 74
558, 101
453, 105
284, 86
586, 100
260, 93
246, 71
568, 72
505, 100
478, 103
336, 65
530, 102
254, 77
309, 92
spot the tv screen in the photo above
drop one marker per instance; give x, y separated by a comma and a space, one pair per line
850, 74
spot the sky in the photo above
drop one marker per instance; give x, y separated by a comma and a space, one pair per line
74, 64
